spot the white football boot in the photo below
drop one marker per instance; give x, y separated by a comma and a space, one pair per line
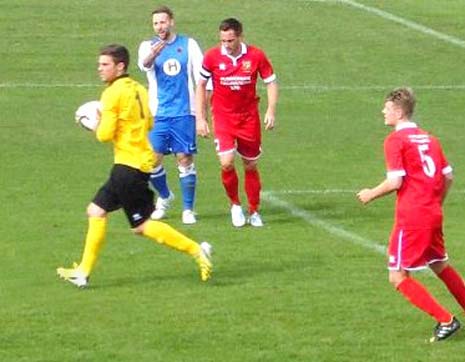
188, 217
161, 207
255, 220
237, 216
204, 261
74, 275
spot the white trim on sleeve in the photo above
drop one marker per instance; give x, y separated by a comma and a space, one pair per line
446, 170
395, 173
270, 79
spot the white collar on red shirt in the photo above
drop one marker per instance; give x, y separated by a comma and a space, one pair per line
407, 124
243, 51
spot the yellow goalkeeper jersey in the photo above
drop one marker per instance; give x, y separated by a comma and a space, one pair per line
125, 121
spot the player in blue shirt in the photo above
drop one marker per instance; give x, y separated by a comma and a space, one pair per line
172, 63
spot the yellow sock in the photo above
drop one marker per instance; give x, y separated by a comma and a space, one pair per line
164, 234
94, 242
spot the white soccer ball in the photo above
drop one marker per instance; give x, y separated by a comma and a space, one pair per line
88, 115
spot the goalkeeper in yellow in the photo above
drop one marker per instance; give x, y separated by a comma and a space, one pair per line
125, 120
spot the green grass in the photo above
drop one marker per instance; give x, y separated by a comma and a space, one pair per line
292, 291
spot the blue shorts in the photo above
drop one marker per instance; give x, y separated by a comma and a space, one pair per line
174, 135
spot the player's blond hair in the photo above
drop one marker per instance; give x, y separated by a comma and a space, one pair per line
404, 98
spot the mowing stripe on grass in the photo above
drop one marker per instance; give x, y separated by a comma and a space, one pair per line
409, 24
313, 220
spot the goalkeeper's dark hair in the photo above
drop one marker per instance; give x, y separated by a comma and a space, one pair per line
231, 24
404, 98
119, 53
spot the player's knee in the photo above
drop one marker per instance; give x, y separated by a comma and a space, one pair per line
227, 165
395, 278
94, 210
185, 171
139, 229
250, 165
438, 267
184, 160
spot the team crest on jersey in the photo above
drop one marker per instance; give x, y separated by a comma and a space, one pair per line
246, 65
222, 66
172, 67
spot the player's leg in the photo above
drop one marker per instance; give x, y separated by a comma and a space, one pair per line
78, 274
226, 150
164, 234
437, 257
418, 295
138, 206
407, 250
104, 201
252, 189
248, 147
452, 279
158, 178
184, 145
188, 182
230, 182
160, 140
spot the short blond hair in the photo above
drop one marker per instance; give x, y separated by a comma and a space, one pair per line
404, 98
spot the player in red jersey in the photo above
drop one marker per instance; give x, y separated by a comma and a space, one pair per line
234, 68
418, 170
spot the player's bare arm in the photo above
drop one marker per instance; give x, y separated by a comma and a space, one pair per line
155, 50
270, 115
201, 123
386, 187
448, 180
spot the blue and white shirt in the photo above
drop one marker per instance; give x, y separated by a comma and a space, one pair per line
172, 76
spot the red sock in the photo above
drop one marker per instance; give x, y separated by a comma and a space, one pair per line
231, 185
252, 189
454, 283
417, 294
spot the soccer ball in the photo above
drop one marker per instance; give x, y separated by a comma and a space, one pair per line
88, 115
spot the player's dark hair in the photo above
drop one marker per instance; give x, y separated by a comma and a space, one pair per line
163, 9
403, 98
231, 24
119, 53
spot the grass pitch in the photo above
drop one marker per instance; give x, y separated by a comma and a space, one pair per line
309, 286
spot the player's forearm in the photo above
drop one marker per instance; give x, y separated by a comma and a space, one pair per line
272, 95
448, 180
387, 186
201, 102
148, 61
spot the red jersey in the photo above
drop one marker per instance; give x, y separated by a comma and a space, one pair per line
418, 158
235, 78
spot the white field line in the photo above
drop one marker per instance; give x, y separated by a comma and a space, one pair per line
409, 24
329, 191
356, 88
310, 191
48, 85
290, 87
313, 220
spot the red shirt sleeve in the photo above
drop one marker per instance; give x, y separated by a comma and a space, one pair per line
393, 155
